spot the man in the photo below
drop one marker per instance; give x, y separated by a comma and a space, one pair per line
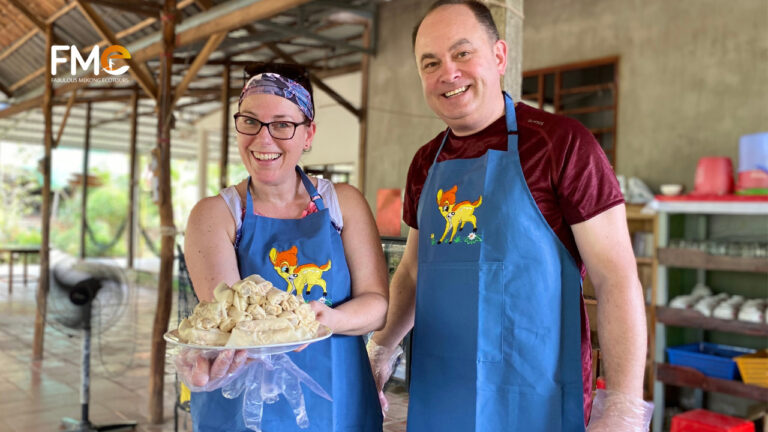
506, 209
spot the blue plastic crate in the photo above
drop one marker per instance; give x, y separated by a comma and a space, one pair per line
708, 358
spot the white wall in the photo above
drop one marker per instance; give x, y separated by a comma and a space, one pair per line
338, 131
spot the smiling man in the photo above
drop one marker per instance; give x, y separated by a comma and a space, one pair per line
509, 208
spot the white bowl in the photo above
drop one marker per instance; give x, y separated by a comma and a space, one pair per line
671, 189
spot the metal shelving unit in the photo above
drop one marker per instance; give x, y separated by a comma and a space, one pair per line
701, 261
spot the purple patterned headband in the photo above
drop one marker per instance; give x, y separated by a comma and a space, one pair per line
274, 84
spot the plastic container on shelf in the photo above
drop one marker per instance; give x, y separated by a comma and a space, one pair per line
711, 359
753, 164
754, 368
701, 420
714, 176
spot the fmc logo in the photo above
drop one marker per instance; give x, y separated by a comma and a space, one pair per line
106, 60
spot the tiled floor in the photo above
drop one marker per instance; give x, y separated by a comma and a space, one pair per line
34, 396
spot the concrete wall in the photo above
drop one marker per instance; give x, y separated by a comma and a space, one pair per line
693, 74
399, 119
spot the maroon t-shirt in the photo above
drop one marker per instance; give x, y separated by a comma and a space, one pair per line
566, 171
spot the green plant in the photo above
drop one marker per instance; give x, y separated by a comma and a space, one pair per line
20, 195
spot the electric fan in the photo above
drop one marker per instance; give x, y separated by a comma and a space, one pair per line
82, 294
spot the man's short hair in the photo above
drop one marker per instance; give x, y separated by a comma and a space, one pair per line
481, 12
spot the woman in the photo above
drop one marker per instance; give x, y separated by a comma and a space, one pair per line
278, 223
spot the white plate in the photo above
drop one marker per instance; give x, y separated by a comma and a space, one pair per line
323, 332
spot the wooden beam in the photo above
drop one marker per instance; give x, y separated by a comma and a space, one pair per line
195, 31
19, 42
138, 7
144, 80
6, 91
43, 285
224, 153
63, 124
204, 4
363, 118
316, 81
213, 42
59, 13
24, 81
341, 70
233, 20
303, 33
27, 13
145, 23
119, 35
84, 199
167, 227
132, 184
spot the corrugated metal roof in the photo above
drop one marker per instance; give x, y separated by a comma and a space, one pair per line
310, 33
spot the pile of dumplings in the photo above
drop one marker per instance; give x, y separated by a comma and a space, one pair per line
251, 312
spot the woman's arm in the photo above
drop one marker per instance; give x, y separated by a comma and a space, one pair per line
367, 310
209, 247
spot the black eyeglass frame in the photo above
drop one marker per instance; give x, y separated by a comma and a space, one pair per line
269, 126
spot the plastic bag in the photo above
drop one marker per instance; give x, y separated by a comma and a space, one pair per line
262, 379
613, 411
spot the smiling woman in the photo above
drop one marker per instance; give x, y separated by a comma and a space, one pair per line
304, 235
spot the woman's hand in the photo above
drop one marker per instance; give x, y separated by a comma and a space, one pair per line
200, 369
325, 315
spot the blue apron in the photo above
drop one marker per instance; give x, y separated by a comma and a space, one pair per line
312, 249
496, 343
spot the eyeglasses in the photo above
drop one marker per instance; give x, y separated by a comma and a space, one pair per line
280, 129
292, 71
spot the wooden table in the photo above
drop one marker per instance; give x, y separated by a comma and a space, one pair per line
24, 251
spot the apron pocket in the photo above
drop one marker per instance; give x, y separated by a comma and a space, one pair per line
490, 332
460, 310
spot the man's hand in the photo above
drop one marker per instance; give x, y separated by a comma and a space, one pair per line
613, 411
382, 363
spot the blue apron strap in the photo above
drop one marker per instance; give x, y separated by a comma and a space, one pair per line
314, 195
509, 106
442, 144
248, 198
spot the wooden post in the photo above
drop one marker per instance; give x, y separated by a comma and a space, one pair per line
363, 119
224, 157
202, 163
132, 184
42, 287
167, 228
84, 202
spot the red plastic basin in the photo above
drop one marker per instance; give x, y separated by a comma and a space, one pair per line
701, 420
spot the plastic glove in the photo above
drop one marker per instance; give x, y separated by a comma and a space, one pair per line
263, 381
613, 411
382, 364
206, 370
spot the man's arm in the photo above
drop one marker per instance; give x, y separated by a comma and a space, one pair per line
402, 296
383, 347
604, 245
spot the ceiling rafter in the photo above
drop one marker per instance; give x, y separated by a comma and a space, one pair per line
139, 7
317, 82
316, 20
199, 62
297, 32
63, 124
58, 14
136, 69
